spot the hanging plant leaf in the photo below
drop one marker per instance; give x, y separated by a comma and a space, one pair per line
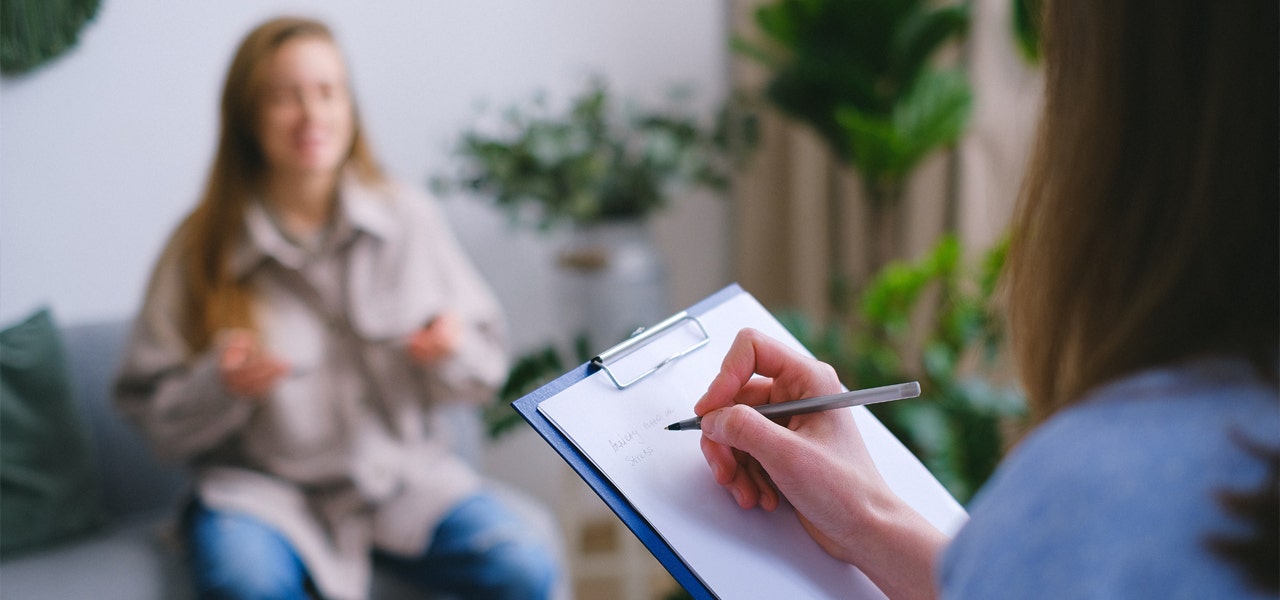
932, 114
34, 31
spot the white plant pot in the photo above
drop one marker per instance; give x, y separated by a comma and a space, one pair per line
615, 281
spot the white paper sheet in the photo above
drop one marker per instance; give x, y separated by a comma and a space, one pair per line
736, 553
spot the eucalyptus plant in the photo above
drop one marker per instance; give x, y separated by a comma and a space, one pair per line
593, 162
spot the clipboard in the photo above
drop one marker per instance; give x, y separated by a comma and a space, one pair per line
946, 513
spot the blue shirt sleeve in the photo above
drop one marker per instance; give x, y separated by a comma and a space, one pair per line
1115, 497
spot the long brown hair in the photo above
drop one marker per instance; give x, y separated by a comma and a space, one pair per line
215, 299
1146, 231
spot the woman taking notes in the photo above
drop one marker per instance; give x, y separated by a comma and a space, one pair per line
1143, 304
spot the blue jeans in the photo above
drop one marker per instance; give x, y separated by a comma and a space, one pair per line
480, 550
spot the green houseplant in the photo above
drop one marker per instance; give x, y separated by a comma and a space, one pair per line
860, 73
593, 162
963, 423
1026, 28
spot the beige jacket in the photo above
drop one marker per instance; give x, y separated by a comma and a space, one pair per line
341, 457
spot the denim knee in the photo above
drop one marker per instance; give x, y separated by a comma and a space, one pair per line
235, 556
253, 585
518, 569
482, 550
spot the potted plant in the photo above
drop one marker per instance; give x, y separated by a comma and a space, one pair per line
601, 170
860, 74
592, 163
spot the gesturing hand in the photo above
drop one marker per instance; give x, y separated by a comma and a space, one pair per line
247, 369
436, 340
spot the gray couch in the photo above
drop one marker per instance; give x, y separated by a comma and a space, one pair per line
136, 556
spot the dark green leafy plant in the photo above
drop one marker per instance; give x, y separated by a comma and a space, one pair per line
34, 31
887, 147
594, 162
958, 428
1026, 28
860, 74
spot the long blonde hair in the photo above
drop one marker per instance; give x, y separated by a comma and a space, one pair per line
215, 299
1146, 231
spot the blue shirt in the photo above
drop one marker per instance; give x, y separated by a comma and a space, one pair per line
1114, 497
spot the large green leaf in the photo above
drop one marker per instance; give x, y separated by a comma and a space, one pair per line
935, 112
1026, 27
932, 115
857, 72
922, 34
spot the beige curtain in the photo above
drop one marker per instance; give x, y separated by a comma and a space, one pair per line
799, 216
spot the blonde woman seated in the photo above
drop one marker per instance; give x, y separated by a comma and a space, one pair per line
298, 328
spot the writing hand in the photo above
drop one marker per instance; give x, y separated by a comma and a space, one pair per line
247, 369
437, 340
817, 461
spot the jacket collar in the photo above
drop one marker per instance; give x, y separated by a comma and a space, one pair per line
360, 209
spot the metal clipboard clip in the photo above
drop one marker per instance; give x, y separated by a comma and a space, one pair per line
643, 337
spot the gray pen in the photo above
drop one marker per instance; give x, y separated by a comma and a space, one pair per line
781, 410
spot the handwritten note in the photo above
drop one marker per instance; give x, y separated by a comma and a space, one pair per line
636, 444
736, 553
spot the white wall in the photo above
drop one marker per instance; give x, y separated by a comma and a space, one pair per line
103, 150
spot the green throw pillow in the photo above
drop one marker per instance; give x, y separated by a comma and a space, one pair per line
48, 484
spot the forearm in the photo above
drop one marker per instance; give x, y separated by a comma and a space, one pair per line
184, 411
818, 462
898, 549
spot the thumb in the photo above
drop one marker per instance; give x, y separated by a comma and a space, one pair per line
740, 427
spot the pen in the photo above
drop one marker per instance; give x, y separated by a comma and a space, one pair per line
781, 410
